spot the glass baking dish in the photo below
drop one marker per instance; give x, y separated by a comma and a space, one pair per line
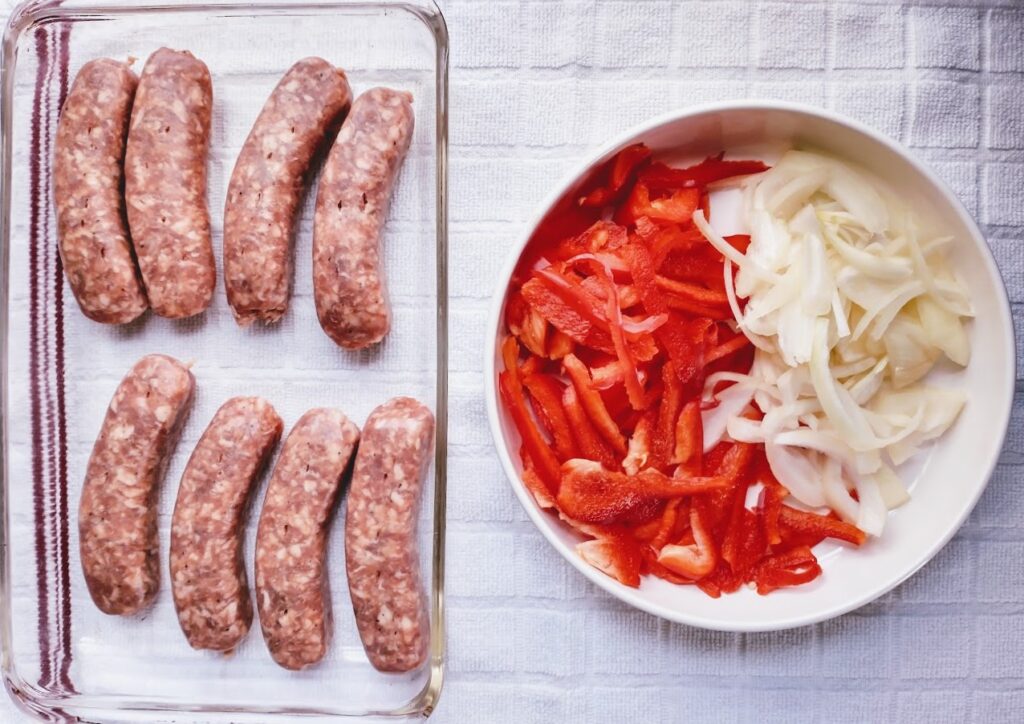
62, 658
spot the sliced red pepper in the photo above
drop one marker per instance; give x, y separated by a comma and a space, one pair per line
771, 506
546, 394
677, 207
526, 324
561, 315
689, 436
638, 454
813, 523
620, 170
792, 568
667, 523
697, 295
616, 554
590, 445
740, 242
535, 444
727, 348
591, 493
593, 404
692, 561
713, 168
744, 542
664, 442
684, 341
599, 236
630, 377
541, 493
559, 344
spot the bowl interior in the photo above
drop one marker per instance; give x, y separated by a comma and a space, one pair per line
945, 480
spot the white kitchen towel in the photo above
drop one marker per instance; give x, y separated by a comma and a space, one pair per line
534, 85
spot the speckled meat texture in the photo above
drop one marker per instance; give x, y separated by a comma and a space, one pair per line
117, 513
165, 183
351, 207
381, 554
88, 173
292, 593
211, 593
267, 183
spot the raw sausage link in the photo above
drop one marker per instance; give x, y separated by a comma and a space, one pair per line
381, 553
117, 513
351, 206
266, 187
165, 183
94, 243
211, 594
291, 542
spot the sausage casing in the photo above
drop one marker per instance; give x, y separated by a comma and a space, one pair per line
292, 594
351, 207
381, 553
211, 594
117, 514
88, 156
266, 187
165, 183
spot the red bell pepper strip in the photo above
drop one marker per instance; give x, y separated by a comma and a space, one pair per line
622, 168
638, 453
689, 436
593, 404
692, 561
726, 348
593, 494
590, 445
630, 377
664, 443
546, 394
770, 504
791, 568
713, 168
559, 344
702, 296
526, 324
599, 236
536, 446
615, 553
667, 523
744, 542
562, 316
538, 489
813, 523
740, 242
678, 207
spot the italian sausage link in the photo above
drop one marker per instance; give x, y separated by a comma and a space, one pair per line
94, 243
351, 207
117, 513
165, 183
381, 554
267, 183
211, 594
292, 594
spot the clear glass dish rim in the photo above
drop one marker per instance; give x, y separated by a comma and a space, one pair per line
34, 13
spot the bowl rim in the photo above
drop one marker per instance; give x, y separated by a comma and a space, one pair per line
540, 519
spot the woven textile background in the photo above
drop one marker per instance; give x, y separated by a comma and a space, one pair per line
534, 86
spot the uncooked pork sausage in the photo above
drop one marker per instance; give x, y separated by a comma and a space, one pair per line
292, 595
381, 553
351, 207
211, 594
117, 513
165, 183
266, 187
87, 175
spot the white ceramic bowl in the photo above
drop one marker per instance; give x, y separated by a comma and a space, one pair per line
945, 481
